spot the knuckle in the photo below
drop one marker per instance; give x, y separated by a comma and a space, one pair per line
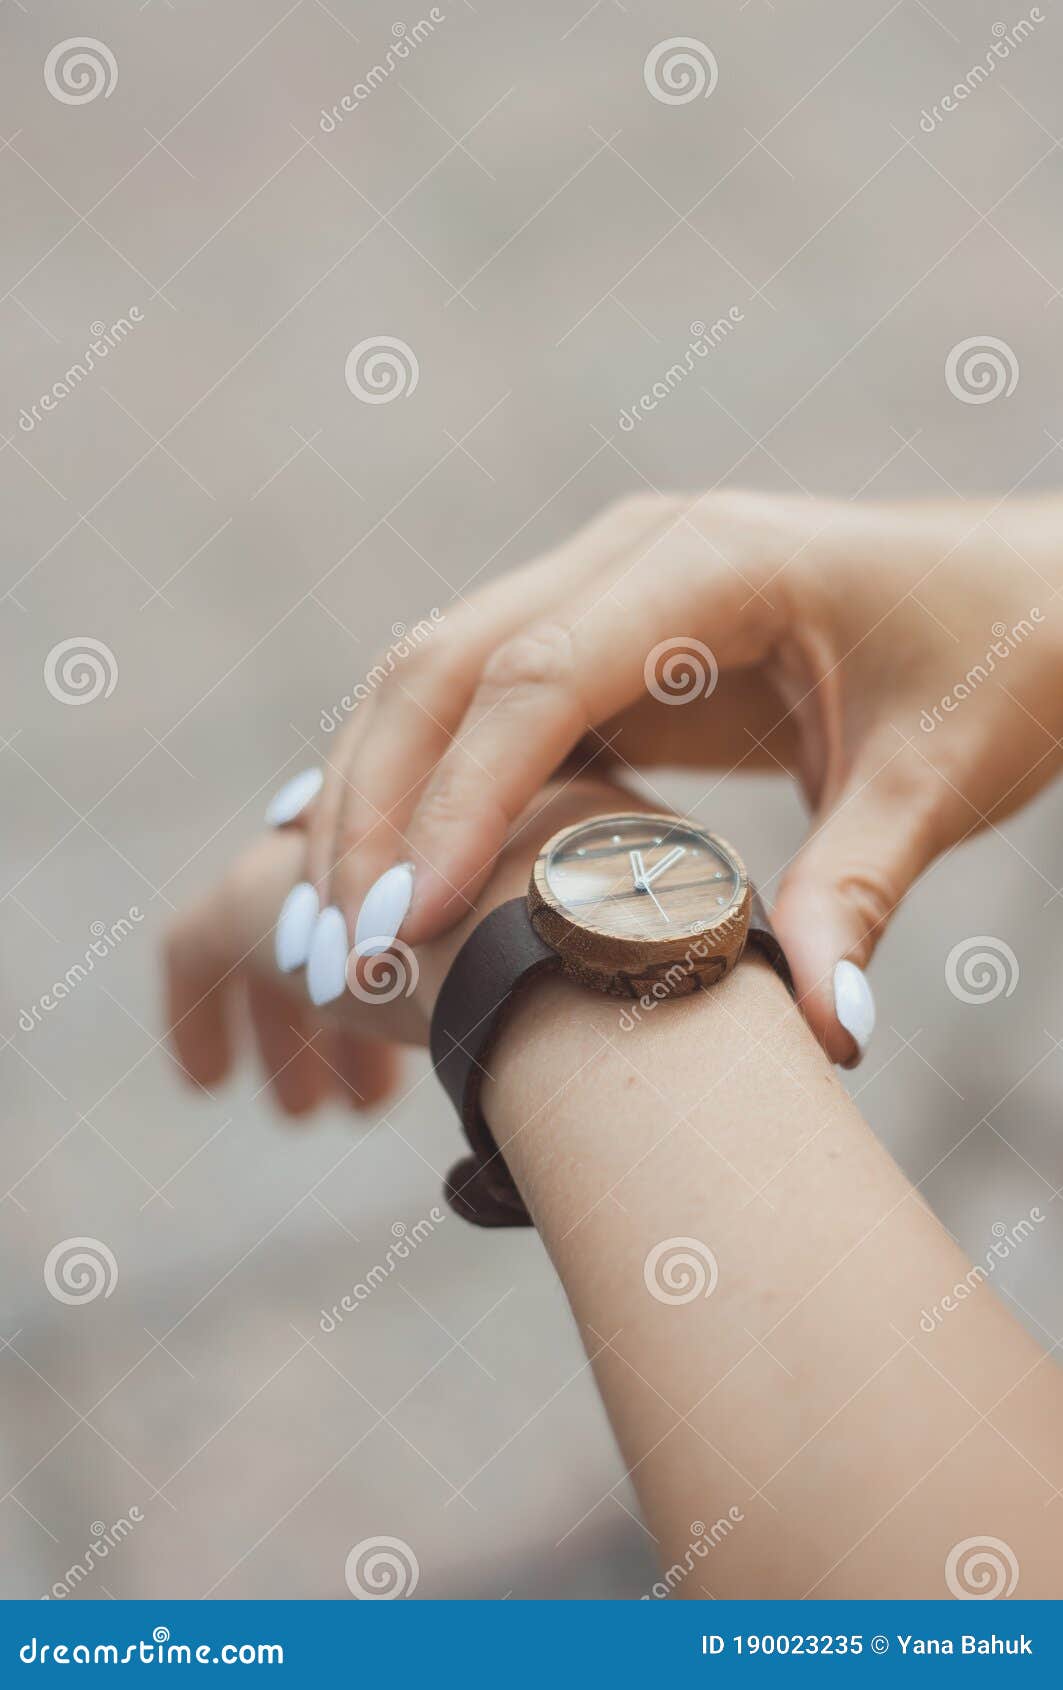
443, 671
355, 828
751, 511
540, 656
927, 798
739, 526
638, 507
872, 886
630, 513
449, 800
641, 511
740, 504
436, 671
872, 893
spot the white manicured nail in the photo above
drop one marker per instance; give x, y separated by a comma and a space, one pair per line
854, 1004
293, 797
291, 941
326, 966
384, 911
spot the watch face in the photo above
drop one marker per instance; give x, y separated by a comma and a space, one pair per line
643, 878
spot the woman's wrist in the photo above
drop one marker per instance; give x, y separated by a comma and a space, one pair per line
748, 1269
567, 1058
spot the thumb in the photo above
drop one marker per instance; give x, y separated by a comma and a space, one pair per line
840, 892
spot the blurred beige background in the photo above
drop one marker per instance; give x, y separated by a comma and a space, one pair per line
241, 533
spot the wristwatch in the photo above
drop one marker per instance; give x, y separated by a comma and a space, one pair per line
641, 906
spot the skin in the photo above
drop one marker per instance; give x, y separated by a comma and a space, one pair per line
804, 1393
219, 963
834, 626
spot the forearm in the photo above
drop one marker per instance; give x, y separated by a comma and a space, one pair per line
801, 1395
846, 1448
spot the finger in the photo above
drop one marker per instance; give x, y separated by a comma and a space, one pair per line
380, 788
418, 710
311, 804
364, 1071
839, 895
294, 807
197, 998
541, 691
291, 801
366, 835
323, 816
205, 948
293, 1067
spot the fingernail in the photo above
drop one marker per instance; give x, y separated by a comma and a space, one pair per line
293, 797
291, 941
384, 910
326, 967
854, 1004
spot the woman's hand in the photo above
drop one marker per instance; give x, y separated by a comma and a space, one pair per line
221, 973
903, 662
221, 961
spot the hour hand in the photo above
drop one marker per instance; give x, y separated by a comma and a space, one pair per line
638, 871
665, 863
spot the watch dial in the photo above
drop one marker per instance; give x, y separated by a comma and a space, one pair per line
642, 877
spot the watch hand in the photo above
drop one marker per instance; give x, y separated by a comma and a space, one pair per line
646, 887
638, 871
665, 862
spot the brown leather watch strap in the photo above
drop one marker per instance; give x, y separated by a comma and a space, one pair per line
762, 934
502, 955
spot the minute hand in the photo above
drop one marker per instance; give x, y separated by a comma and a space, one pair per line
665, 862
